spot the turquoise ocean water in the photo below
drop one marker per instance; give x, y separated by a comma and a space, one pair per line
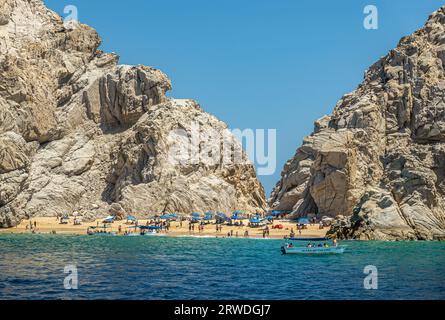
32, 267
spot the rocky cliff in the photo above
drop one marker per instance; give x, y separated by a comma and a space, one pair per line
78, 132
377, 163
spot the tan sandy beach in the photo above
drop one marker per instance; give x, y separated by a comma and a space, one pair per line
51, 225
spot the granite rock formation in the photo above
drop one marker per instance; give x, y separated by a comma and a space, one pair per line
377, 162
78, 132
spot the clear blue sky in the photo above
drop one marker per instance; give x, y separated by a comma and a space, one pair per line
255, 64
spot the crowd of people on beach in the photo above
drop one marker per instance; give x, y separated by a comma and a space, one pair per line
234, 227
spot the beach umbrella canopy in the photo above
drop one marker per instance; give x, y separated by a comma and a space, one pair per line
237, 217
131, 218
165, 216
254, 220
236, 213
303, 221
196, 214
173, 215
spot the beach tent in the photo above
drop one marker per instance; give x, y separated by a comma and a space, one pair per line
109, 219
303, 221
221, 217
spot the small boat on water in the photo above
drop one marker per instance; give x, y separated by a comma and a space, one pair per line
144, 231
316, 246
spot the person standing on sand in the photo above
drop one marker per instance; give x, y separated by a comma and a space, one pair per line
119, 229
246, 234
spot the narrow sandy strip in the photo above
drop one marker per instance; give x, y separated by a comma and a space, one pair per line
46, 225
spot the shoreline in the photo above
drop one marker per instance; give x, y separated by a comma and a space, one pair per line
50, 225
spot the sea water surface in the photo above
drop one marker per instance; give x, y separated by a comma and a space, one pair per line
32, 267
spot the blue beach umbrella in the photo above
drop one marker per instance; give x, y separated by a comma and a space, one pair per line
303, 221
131, 218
